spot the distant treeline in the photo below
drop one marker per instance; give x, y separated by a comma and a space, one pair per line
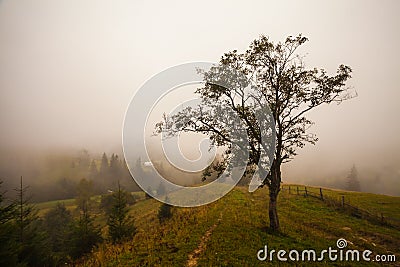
55, 177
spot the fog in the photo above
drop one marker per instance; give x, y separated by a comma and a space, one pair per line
68, 70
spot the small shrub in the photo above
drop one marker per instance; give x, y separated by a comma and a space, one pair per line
164, 212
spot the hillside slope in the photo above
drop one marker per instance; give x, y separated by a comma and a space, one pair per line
231, 231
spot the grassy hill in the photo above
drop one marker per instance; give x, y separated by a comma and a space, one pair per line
230, 231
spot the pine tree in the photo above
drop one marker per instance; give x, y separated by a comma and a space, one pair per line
104, 173
129, 183
115, 170
164, 212
31, 240
6, 209
115, 165
352, 180
8, 244
120, 224
93, 172
104, 165
57, 223
85, 191
83, 235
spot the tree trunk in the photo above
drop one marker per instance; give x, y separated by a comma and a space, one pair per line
273, 214
274, 189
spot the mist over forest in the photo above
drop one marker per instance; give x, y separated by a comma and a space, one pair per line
300, 98
67, 77
54, 175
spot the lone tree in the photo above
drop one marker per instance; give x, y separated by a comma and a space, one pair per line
283, 84
352, 180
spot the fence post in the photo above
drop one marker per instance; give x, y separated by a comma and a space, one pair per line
342, 201
289, 189
297, 190
320, 193
305, 189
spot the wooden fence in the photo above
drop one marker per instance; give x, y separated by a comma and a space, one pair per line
342, 204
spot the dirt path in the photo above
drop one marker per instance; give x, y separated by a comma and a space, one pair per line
195, 255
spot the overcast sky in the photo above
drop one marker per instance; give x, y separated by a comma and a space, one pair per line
68, 69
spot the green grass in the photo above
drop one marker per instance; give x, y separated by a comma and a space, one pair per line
44, 207
306, 223
70, 204
389, 206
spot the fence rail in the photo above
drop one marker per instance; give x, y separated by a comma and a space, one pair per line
343, 205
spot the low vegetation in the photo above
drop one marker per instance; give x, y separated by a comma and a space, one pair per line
239, 232
228, 232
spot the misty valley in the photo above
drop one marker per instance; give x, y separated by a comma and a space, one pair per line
199, 133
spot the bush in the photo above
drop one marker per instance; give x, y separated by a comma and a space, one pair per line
164, 213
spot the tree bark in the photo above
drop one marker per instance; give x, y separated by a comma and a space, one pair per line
274, 189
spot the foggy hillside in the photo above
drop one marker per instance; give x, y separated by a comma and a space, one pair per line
67, 76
